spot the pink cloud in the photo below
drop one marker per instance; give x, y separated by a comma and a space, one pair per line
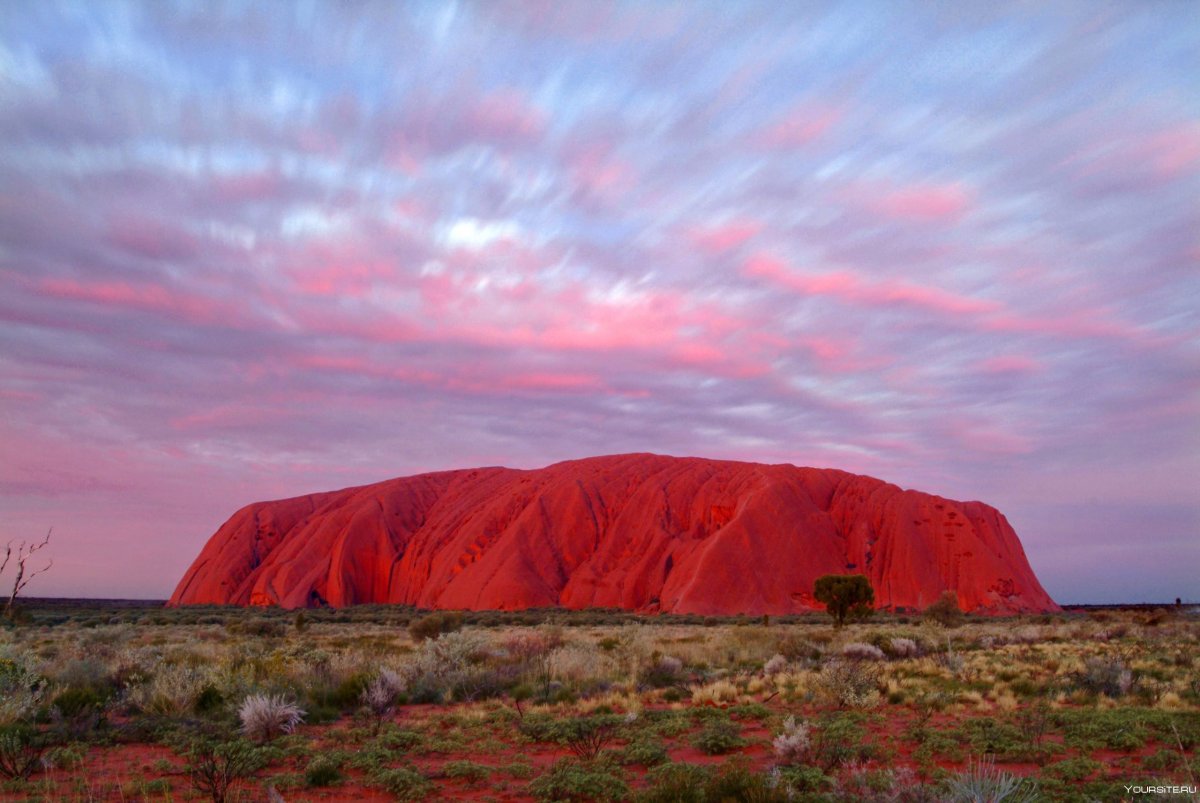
801, 126
1010, 364
506, 114
1176, 151
597, 170
852, 288
148, 297
1077, 324
725, 236
925, 202
985, 437
260, 186
151, 239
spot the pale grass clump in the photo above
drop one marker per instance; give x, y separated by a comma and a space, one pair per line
720, 691
265, 716
775, 666
858, 651
792, 744
616, 700
1170, 701
580, 664
904, 648
172, 691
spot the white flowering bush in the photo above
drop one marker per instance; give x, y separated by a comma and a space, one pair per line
454, 666
381, 694
265, 716
793, 743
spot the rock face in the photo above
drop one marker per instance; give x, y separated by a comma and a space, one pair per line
639, 531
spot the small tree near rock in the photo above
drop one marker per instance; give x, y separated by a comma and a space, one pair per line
845, 595
945, 611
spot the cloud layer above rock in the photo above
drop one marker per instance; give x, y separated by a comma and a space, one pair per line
252, 251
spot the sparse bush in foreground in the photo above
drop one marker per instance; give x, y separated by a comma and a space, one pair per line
213, 767
266, 716
21, 749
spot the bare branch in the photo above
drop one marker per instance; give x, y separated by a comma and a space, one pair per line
42, 570
7, 554
35, 547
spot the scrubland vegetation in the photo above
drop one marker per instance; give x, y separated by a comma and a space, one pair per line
378, 703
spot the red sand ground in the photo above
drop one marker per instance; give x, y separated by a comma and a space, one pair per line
112, 773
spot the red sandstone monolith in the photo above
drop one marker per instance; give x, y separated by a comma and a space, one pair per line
642, 532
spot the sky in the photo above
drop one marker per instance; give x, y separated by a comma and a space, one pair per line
256, 250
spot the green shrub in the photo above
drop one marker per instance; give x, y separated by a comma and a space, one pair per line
1073, 769
470, 771
406, 783
676, 783
838, 739
21, 749
718, 736
736, 781
209, 700
323, 771
258, 627
76, 712
804, 779
213, 766
573, 780
733, 781
645, 751
988, 736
